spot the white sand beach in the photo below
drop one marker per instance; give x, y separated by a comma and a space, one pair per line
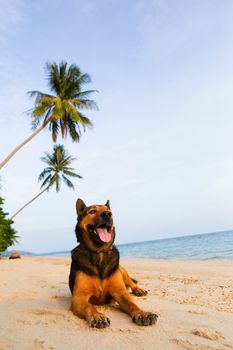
194, 300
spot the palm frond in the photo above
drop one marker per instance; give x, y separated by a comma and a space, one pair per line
37, 94
74, 130
68, 182
72, 174
35, 123
84, 103
84, 94
84, 121
55, 180
47, 181
48, 159
73, 72
64, 125
66, 161
40, 110
62, 110
46, 100
44, 173
54, 127
84, 79
76, 115
37, 120
48, 114
53, 76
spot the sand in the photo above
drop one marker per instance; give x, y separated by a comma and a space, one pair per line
193, 298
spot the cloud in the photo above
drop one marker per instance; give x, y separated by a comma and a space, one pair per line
167, 26
11, 15
163, 30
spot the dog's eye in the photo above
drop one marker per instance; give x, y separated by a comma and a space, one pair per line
92, 211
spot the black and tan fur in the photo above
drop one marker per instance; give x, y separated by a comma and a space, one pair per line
95, 275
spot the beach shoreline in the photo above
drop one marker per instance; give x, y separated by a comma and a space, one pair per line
194, 300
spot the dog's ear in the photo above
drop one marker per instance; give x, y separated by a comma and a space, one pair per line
107, 204
80, 206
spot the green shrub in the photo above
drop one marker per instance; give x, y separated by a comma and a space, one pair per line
7, 233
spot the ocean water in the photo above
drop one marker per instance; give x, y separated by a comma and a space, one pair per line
217, 245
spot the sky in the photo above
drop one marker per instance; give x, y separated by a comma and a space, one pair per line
161, 149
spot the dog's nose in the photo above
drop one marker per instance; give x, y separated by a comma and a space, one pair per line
106, 214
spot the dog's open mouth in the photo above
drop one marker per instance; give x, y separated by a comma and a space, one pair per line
103, 232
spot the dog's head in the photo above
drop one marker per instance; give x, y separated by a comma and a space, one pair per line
95, 227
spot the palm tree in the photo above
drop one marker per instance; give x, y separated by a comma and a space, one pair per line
61, 110
58, 170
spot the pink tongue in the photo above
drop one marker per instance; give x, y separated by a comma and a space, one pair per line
104, 235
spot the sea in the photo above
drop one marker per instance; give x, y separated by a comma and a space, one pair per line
217, 245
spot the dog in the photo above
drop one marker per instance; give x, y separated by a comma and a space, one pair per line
95, 274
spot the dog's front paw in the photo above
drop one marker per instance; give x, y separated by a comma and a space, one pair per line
139, 292
145, 318
100, 322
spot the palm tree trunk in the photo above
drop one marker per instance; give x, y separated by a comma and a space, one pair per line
32, 200
23, 143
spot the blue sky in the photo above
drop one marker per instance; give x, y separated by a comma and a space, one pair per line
162, 147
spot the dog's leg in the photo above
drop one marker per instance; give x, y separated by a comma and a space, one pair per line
81, 306
131, 284
118, 291
83, 309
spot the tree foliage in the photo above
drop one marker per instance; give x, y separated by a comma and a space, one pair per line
7, 234
58, 168
63, 109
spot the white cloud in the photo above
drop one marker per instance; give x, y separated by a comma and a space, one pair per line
11, 15
167, 26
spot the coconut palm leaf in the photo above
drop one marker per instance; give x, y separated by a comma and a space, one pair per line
58, 168
68, 182
37, 94
44, 173
47, 181
72, 174
64, 105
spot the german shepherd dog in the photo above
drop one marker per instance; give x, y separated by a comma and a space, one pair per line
95, 275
